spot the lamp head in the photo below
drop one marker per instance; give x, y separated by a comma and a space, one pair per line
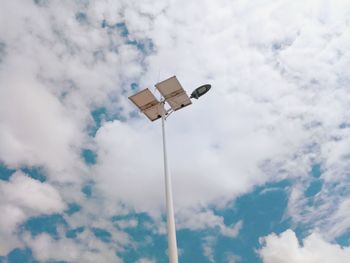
200, 91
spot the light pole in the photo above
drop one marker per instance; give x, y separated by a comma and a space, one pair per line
175, 96
171, 230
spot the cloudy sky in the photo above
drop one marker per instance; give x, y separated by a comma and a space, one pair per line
260, 165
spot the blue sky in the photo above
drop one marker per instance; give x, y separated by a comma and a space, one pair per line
262, 211
259, 165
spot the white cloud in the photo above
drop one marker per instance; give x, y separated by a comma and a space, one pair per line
29, 134
259, 110
45, 111
342, 217
200, 220
145, 260
130, 182
8, 223
207, 246
279, 95
35, 128
285, 248
45, 248
130, 223
21, 198
279, 72
88, 249
31, 194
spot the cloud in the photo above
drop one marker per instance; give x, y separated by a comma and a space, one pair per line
63, 77
29, 135
124, 224
200, 220
21, 198
285, 248
145, 260
278, 99
280, 96
251, 126
127, 142
31, 194
207, 247
88, 249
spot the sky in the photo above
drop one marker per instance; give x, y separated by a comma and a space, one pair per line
260, 164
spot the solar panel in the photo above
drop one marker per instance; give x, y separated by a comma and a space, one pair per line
148, 104
173, 93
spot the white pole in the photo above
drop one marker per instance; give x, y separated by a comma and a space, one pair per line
172, 247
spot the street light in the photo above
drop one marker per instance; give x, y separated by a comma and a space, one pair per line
200, 91
175, 96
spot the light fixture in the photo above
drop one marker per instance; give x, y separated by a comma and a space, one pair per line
175, 96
